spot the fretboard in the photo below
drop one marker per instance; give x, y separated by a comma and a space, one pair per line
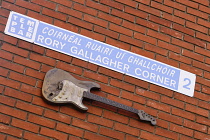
109, 102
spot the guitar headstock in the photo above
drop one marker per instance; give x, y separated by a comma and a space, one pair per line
146, 117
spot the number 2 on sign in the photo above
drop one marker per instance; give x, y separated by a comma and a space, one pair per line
188, 83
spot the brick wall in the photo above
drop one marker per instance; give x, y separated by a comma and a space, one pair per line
175, 32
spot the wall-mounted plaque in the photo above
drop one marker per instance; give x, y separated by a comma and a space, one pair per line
99, 53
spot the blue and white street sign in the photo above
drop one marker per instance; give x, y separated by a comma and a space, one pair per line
99, 53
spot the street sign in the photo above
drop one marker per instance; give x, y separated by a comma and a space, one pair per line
99, 53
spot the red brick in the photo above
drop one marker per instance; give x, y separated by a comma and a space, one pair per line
136, 81
122, 15
145, 38
25, 125
39, 17
115, 116
203, 36
203, 120
12, 40
29, 107
131, 40
15, 50
69, 129
122, 85
7, 100
100, 121
188, 3
197, 110
182, 137
53, 134
98, 6
204, 8
85, 125
109, 89
117, 43
69, 68
13, 7
6, 55
79, 62
133, 97
202, 136
93, 136
195, 126
141, 125
204, 2
92, 35
204, 104
201, 65
95, 20
45, 3
196, 27
119, 100
159, 106
149, 10
155, 49
111, 133
41, 121
64, 2
30, 89
110, 73
170, 118
4, 12
172, 102
73, 112
161, 90
113, 4
69, 11
159, 35
142, 52
25, 62
136, 12
148, 24
17, 94
35, 74
202, 96
95, 76
31, 47
11, 66
3, 20
4, 72
40, 102
32, 136
181, 130
11, 130
166, 133
148, 94
81, 23
5, 119
106, 32
42, 59
22, 78
28, 5
192, 55
120, 29
173, 18
85, 9
184, 15
161, 7
110, 18
57, 55
182, 44
57, 116
126, 129
134, 27
195, 41
3, 137
146, 135
66, 26
197, 13
171, 32
175, 5
9, 83
54, 14
169, 46
180, 58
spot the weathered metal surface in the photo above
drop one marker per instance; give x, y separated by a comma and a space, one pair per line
60, 87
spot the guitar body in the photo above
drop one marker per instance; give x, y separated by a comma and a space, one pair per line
60, 87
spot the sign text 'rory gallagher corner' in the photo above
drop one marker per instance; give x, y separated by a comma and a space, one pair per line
99, 53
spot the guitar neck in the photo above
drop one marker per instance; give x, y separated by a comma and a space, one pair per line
109, 102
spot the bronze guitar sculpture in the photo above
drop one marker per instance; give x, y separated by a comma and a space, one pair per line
60, 87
